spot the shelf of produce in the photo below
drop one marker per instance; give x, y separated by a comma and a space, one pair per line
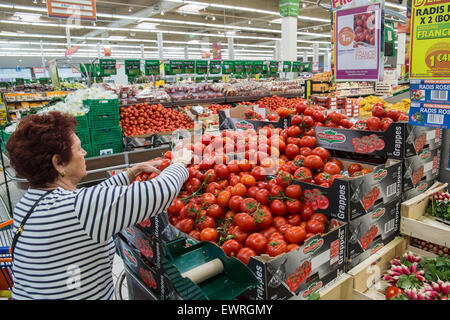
165, 104
290, 95
340, 289
415, 223
231, 99
183, 103
356, 95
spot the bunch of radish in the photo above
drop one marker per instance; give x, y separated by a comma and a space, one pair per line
410, 280
398, 268
364, 26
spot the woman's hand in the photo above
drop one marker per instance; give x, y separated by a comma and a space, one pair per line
147, 167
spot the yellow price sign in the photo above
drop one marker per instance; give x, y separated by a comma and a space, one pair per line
430, 39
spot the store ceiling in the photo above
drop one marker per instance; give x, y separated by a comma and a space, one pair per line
126, 24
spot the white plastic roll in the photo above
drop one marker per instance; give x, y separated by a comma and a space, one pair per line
205, 271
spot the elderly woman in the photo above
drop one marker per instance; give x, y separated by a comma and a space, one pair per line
66, 249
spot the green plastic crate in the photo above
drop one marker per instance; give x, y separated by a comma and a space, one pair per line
106, 106
99, 121
83, 122
100, 135
105, 148
84, 135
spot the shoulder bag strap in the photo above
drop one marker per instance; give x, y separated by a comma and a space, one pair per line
20, 229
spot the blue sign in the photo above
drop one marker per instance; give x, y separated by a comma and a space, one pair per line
430, 104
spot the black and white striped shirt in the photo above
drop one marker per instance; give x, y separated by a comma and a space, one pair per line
66, 250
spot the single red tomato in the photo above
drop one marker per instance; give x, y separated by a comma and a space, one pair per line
331, 168
354, 167
231, 247
295, 234
245, 221
276, 247
320, 217
314, 226
393, 292
294, 207
245, 254
294, 191
307, 212
321, 152
209, 234
313, 162
277, 207
257, 242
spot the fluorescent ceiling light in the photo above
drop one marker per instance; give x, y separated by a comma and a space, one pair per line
147, 26
194, 8
116, 38
26, 16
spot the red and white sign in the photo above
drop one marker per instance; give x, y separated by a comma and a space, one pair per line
107, 51
71, 51
76, 9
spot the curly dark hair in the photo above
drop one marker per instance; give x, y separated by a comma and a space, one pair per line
36, 139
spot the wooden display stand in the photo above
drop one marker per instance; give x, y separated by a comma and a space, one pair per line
368, 283
415, 223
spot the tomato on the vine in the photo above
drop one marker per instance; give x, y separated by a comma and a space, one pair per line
231, 247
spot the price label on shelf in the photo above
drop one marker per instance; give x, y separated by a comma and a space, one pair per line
430, 104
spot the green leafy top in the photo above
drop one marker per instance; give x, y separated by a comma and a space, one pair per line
408, 282
436, 268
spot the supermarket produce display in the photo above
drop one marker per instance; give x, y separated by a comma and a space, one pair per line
317, 173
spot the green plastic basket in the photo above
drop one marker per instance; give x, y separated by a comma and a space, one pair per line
83, 122
100, 121
106, 148
100, 135
106, 106
84, 135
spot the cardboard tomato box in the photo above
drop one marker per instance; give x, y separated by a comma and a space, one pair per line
349, 198
146, 272
149, 247
369, 233
298, 274
234, 119
419, 168
400, 140
422, 186
158, 226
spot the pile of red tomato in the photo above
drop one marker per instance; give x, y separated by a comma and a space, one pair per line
231, 203
144, 119
216, 107
252, 115
275, 102
381, 119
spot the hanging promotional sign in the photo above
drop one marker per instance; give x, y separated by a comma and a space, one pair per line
358, 49
72, 9
430, 39
217, 51
71, 51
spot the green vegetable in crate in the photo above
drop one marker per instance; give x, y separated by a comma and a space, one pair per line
439, 206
